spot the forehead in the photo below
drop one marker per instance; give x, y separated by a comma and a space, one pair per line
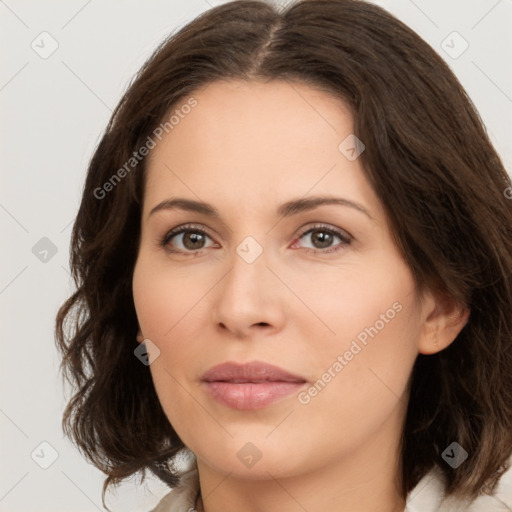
272, 139
247, 120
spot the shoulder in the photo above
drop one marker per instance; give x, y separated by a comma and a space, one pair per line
182, 498
428, 496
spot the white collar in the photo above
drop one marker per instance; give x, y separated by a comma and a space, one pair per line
427, 496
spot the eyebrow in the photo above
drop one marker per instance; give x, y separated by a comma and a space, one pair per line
285, 210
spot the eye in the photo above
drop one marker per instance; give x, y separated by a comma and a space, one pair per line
322, 237
192, 241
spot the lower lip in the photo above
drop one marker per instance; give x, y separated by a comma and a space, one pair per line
251, 395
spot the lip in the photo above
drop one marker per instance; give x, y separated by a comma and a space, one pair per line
251, 385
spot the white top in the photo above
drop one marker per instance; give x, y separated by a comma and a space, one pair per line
427, 496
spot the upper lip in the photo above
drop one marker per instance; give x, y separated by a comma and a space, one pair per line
255, 371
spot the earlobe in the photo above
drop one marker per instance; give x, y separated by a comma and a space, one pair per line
429, 342
442, 326
140, 338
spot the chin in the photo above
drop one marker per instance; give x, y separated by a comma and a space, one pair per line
252, 463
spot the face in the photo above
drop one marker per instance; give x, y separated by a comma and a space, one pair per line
319, 291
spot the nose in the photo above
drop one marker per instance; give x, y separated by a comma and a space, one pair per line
249, 298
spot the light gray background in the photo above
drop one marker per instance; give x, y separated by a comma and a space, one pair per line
54, 110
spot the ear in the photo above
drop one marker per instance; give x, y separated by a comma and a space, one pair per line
140, 338
444, 318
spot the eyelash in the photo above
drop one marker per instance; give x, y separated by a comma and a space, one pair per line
346, 239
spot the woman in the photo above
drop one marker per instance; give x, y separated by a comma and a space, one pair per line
293, 262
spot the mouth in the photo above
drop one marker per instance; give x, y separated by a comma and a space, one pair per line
255, 372
250, 386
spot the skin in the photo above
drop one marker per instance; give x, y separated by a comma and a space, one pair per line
247, 148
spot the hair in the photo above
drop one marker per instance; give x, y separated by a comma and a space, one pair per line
428, 158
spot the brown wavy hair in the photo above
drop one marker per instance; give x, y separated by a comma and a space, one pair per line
428, 158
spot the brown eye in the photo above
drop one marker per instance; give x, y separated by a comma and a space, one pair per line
323, 237
193, 240
185, 240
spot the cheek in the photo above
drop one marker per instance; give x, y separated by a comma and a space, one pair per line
369, 300
362, 375
374, 350
162, 298
372, 316
168, 306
